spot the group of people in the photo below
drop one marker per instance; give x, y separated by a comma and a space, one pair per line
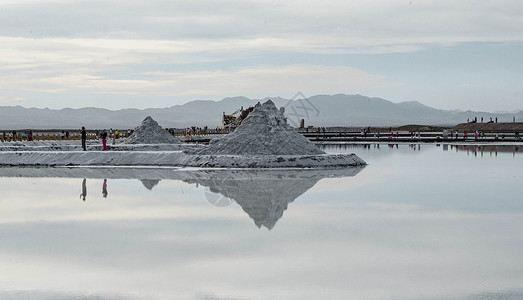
103, 135
481, 135
475, 120
190, 132
16, 136
194, 130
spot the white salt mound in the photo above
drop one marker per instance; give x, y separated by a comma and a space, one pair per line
149, 132
264, 132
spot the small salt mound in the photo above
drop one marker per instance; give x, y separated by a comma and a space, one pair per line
149, 132
264, 132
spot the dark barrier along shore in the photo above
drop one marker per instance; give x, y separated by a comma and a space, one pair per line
409, 137
468, 132
401, 137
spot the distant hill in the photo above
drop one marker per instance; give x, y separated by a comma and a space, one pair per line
319, 110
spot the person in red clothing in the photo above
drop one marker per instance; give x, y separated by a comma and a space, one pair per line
104, 139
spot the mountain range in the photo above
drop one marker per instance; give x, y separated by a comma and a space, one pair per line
319, 110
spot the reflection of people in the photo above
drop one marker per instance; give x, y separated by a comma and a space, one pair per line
104, 188
84, 137
84, 189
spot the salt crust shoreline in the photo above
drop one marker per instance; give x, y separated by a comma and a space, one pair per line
173, 159
68, 153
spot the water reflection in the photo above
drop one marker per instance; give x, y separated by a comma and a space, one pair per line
410, 223
150, 183
263, 194
487, 149
104, 188
469, 149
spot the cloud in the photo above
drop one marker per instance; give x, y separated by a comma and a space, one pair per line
118, 47
374, 22
131, 67
256, 80
274, 79
162, 32
25, 53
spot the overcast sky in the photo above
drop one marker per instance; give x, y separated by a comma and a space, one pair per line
459, 54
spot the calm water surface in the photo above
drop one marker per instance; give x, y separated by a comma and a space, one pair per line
419, 222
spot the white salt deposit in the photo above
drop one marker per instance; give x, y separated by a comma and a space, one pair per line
265, 140
264, 132
149, 132
89, 158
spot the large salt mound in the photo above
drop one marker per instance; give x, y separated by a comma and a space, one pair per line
149, 132
264, 132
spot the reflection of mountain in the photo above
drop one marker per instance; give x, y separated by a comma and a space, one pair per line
149, 183
263, 194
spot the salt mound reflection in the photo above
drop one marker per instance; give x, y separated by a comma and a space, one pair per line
263, 194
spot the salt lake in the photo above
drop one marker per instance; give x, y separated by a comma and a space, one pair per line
418, 222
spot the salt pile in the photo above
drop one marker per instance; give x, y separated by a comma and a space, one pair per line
149, 132
264, 132
265, 140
